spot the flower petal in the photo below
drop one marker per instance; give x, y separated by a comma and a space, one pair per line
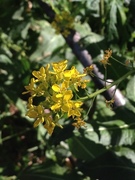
56, 88
68, 95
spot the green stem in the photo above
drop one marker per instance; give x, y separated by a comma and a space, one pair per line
101, 78
105, 76
15, 135
108, 87
91, 105
120, 62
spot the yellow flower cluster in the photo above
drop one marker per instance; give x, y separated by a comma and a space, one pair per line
63, 22
106, 57
89, 70
57, 87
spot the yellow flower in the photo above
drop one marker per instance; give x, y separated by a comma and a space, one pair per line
73, 77
49, 125
38, 121
73, 73
62, 101
35, 111
61, 97
57, 87
31, 87
79, 122
58, 69
40, 75
63, 22
59, 66
30, 102
106, 57
72, 108
89, 70
75, 109
41, 117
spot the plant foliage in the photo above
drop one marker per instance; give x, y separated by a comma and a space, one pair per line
104, 148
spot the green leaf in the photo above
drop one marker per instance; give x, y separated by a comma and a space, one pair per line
7, 178
130, 105
4, 59
18, 14
127, 137
49, 42
112, 30
84, 148
130, 89
48, 171
126, 152
122, 14
109, 167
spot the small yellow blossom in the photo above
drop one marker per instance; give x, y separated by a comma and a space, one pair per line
59, 66
79, 122
63, 22
61, 99
31, 87
73, 77
49, 125
106, 57
109, 103
58, 69
72, 108
40, 75
89, 70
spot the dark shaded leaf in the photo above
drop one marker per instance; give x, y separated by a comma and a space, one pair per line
84, 148
109, 167
49, 171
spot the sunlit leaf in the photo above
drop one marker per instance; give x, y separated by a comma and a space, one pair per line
130, 89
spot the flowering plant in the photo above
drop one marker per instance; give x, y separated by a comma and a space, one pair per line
58, 87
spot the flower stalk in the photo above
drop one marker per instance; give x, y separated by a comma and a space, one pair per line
109, 86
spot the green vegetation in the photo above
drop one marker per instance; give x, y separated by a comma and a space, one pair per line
36, 33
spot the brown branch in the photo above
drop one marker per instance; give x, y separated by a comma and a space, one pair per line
85, 58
